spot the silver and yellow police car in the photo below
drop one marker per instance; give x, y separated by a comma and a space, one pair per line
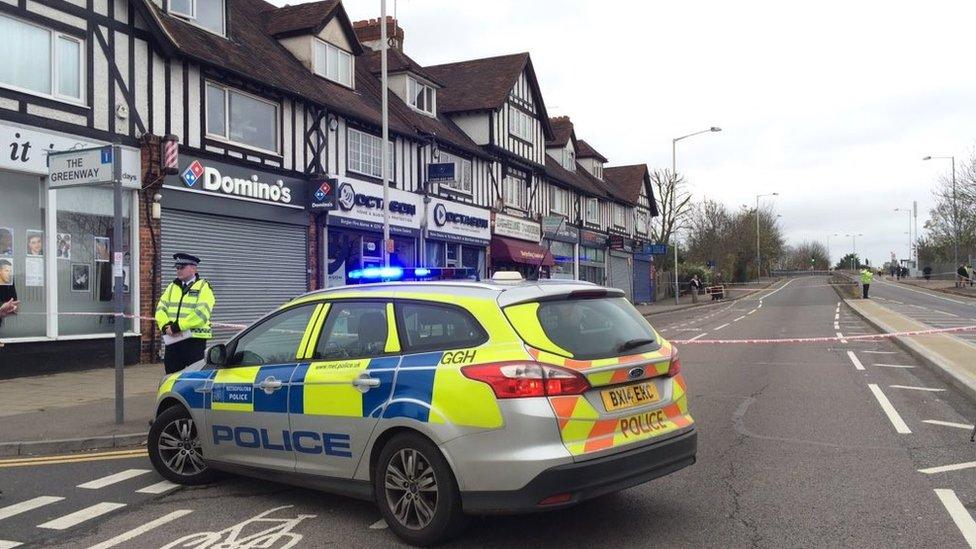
436, 400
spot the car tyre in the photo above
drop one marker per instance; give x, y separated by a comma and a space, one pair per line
174, 448
416, 491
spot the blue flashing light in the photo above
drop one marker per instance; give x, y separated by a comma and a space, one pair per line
376, 273
421, 272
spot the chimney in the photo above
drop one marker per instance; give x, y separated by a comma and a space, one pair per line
368, 33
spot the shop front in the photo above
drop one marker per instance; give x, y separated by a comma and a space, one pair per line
248, 226
561, 239
456, 235
622, 264
593, 257
54, 256
515, 247
354, 229
643, 281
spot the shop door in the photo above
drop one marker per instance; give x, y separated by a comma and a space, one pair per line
642, 281
621, 275
253, 266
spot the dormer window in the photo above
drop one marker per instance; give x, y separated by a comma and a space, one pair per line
592, 211
333, 63
207, 14
420, 95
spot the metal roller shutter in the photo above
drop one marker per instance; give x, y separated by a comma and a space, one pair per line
621, 275
642, 281
253, 266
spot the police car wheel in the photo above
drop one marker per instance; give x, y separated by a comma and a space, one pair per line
416, 492
174, 448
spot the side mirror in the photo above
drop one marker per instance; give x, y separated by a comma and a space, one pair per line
217, 355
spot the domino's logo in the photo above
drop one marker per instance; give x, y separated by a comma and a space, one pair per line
192, 173
323, 191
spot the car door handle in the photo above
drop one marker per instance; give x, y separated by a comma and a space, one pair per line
270, 385
365, 383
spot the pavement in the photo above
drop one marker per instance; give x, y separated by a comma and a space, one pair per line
945, 286
736, 291
828, 444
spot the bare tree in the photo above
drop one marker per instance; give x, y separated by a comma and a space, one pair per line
808, 255
674, 201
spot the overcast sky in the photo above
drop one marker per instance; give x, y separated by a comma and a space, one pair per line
832, 104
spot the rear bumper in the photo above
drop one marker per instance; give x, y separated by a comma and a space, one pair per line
589, 479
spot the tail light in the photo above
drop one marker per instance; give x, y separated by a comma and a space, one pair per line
675, 367
527, 379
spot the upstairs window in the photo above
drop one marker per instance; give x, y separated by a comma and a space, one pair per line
592, 210
642, 224
208, 14
420, 96
462, 172
598, 170
569, 160
42, 61
520, 124
333, 63
514, 191
365, 154
619, 216
241, 118
559, 200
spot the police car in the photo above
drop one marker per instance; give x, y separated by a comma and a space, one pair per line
436, 400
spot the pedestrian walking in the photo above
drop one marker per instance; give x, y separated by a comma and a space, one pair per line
969, 273
961, 275
866, 277
695, 287
927, 272
183, 314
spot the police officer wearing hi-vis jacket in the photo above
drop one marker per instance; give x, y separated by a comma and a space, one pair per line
183, 315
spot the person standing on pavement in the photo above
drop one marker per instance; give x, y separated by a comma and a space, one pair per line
961, 275
866, 277
695, 287
183, 315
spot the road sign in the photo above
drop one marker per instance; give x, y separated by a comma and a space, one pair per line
441, 171
656, 249
80, 167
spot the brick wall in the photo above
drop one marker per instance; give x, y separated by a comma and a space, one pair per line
315, 222
149, 233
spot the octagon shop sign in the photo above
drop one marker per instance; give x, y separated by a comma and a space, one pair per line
237, 182
517, 227
455, 222
360, 206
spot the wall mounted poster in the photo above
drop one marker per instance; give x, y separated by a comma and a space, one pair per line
64, 246
34, 271
6, 271
80, 277
6, 241
102, 248
35, 243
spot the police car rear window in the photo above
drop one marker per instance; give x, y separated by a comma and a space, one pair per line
596, 328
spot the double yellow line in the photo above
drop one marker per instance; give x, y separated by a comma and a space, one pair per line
72, 458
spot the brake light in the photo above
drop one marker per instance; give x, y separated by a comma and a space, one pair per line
527, 379
675, 367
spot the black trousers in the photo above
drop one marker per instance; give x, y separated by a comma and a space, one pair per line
181, 354
865, 289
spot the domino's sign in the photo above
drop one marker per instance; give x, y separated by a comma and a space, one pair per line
238, 182
323, 193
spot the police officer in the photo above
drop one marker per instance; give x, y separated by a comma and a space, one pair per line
183, 315
866, 277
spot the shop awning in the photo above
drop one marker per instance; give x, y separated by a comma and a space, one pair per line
517, 251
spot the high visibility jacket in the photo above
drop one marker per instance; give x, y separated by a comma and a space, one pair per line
189, 310
866, 276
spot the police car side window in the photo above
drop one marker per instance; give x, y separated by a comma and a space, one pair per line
432, 327
353, 330
273, 341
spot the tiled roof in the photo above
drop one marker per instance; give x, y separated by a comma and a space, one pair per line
397, 61
478, 84
626, 181
301, 18
562, 131
584, 150
555, 170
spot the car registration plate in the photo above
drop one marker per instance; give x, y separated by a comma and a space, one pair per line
621, 398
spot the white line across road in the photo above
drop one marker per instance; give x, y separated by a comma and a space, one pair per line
135, 532
88, 513
112, 479
909, 387
964, 521
738, 319
855, 360
698, 336
894, 365
158, 488
947, 424
889, 410
4, 544
722, 326
881, 352
904, 287
24, 506
947, 468
841, 336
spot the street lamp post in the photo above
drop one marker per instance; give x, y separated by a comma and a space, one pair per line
674, 174
828, 249
758, 255
955, 210
909, 210
854, 246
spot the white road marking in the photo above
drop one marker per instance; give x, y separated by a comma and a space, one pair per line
931, 389
947, 424
126, 536
112, 479
893, 365
752, 311
836, 326
698, 336
855, 360
841, 336
378, 525
738, 319
722, 326
24, 506
158, 488
964, 521
889, 410
946, 313
5, 544
881, 352
88, 513
836, 316
947, 468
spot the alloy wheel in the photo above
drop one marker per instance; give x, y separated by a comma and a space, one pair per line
411, 489
179, 448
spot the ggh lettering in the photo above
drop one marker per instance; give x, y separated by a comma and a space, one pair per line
306, 442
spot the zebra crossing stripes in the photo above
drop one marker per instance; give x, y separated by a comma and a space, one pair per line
113, 479
158, 488
28, 505
5, 544
82, 515
136, 532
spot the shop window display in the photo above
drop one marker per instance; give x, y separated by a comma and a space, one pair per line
22, 253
